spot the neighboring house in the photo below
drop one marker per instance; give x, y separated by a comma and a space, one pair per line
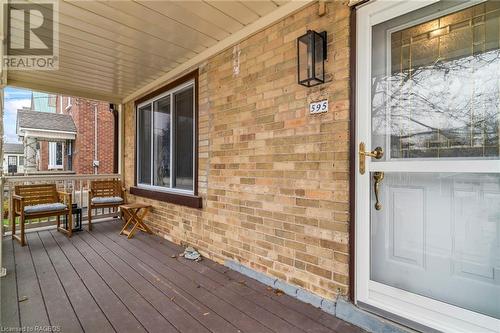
13, 160
45, 136
72, 134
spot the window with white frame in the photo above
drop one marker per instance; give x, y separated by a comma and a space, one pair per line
12, 160
55, 155
165, 140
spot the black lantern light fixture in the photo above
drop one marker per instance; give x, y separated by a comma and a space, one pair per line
311, 56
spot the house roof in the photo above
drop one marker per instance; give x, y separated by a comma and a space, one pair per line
13, 148
45, 121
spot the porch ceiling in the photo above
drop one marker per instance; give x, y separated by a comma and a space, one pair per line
114, 50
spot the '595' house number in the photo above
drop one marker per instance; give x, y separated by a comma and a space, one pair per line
318, 107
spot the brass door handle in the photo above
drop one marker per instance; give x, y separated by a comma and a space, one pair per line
378, 153
377, 177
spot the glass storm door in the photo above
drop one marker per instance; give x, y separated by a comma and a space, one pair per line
428, 165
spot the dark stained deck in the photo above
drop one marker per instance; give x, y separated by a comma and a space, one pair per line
102, 282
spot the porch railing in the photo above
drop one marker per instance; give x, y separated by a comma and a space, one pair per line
76, 184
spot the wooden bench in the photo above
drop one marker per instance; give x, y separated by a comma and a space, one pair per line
104, 194
39, 201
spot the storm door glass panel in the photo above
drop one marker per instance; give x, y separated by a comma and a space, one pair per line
183, 138
161, 142
144, 144
435, 88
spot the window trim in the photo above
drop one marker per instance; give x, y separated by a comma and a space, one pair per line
55, 166
188, 198
9, 157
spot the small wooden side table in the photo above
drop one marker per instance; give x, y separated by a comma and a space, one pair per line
134, 214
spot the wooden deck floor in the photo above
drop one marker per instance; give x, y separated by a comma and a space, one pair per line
102, 282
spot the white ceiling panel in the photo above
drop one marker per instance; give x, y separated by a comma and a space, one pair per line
113, 49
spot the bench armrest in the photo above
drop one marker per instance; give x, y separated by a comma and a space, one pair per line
17, 204
17, 197
65, 195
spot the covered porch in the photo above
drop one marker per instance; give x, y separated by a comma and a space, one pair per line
344, 154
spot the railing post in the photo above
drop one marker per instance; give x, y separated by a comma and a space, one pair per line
81, 194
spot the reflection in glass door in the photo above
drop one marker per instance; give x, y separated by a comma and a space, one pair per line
436, 85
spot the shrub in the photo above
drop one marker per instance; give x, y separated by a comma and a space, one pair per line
6, 209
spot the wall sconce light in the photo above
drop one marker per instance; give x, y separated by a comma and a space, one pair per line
311, 56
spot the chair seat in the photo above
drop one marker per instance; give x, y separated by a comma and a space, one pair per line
48, 207
107, 200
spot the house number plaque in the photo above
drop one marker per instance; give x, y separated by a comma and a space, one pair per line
318, 107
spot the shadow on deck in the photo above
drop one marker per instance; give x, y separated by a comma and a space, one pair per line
102, 282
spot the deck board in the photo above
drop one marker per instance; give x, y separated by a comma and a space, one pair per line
32, 311
103, 282
58, 306
181, 320
171, 290
9, 316
307, 317
117, 313
90, 315
190, 284
137, 305
261, 306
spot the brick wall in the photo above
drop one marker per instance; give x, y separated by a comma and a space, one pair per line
83, 111
274, 179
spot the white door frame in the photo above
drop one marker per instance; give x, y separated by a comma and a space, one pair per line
413, 307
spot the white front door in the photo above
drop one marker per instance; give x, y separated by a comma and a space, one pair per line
428, 202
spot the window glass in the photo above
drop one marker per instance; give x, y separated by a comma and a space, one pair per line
144, 144
161, 137
165, 140
59, 153
183, 132
21, 160
55, 155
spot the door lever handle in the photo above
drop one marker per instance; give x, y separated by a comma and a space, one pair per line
378, 153
377, 177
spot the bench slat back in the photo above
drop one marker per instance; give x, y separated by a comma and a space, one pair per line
37, 194
106, 188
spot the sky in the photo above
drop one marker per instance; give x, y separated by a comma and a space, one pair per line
13, 99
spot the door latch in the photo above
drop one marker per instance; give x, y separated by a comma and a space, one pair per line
377, 153
377, 179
